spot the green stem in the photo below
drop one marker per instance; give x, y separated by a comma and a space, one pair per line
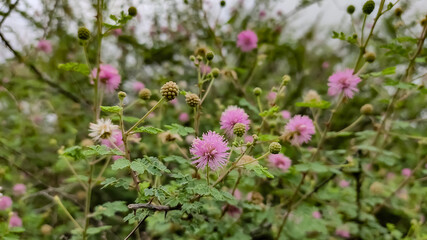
59, 202
87, 204
145, 116
349, 127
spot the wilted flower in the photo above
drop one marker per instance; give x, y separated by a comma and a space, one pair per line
343, 82
103, 129
231, 116
247, 40
280, 161
299, 130
5, 202
312, 96
109, 77
15, 221
44, 46
115, 141
19, 189
211, 150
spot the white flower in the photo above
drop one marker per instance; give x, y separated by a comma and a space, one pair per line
103, 129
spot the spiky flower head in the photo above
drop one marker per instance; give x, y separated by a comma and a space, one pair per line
275, 147
280, 161
192, 99
83, 33
299, 130
210, 150
368, 7
144, 94
343, 82
132, 11
169, 90
102, 129
109, 77
247, 41
239, 129
231, 116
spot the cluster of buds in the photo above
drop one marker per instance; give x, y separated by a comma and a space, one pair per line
275, 148
169, 90
83, 33
239, 129
192, 99
368, 7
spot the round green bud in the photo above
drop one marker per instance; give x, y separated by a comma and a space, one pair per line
132, 11
209, 56
201, 51
215, 72
367, 109
368, 7
199, 58
257, 91
239, 129
369, 57
169, 90
121, 95
83, 33
144, 94
222, 3
286, 79
192, 58
350, 9
192, 99
275, 147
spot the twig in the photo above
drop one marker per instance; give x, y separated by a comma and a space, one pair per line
135, 228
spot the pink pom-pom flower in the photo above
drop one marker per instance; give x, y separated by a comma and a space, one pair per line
247, 40
210, 151
231, 116
280, 161
19, 189
299, 130
343, 82
44, 46
5, 202
15, 221
109, 77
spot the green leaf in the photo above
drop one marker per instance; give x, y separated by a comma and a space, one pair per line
244, 103
111, 109
101, 150
75, 152
150, 164
120, 164
338, 134
178, 129
314, 104
160, 193
75, 67
270, 112
96, 230
177, 159
109, 209
259, 170
149, 129
112, 181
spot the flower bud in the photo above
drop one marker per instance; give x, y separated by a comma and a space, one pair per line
350, 9
239, 129
132, 11
275, 147
192, 99
367, 109
144, 94
169, 90
369, 57
192, 58
368, 7
286, 79
201, 51
257, 91
121, 95
215, 72
424, 21
83, 33
222, 3
398, 12
46, 229
376, 188
209, 56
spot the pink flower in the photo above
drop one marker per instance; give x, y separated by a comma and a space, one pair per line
108, 76
342, 233
406, 172
248, 139
184, 117
262, 14
280, 161
210, 151
174, 101
271, 96
343, 82
300, 129
325, 65
117, 32
204, 69
15, 221
247, 40
116, 140
44, 46
316, 215
231, 116
19, 189
237, 194
5, 202
233, 211
285, 114
137, 86
343, 183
